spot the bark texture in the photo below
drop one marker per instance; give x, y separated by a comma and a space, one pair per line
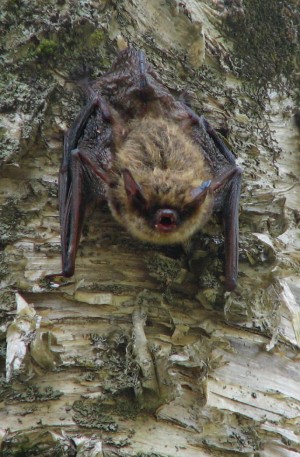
141, 353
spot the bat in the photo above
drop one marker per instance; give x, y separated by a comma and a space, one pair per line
161, 168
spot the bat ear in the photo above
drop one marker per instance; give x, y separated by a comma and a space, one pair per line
200, 192
133, 189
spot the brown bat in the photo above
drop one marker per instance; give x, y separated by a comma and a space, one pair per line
162, 169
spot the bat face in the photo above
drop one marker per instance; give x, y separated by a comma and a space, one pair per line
160, 189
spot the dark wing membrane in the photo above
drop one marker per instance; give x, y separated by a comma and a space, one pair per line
227, 175
86, 148
230, 215
230, 209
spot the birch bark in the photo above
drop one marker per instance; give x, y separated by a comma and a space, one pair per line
141, 353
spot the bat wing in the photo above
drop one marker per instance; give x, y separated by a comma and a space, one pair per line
230, 177
227, 177
86, 156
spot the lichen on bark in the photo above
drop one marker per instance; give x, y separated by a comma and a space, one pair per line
141, 353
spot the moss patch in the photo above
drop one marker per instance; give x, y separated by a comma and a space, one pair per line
265, 41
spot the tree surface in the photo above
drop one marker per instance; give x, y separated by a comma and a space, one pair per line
142, 352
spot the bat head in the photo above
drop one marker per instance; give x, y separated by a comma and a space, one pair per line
151, 218
161, 187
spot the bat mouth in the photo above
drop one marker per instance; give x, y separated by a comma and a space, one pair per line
166, 220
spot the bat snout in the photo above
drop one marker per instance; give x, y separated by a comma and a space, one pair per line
166, 220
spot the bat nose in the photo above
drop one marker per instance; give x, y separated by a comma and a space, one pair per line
166, 220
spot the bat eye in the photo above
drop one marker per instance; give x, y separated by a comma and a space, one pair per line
165, 220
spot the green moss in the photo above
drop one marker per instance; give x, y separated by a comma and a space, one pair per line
96, 39
47, 48
265, 42
47, 51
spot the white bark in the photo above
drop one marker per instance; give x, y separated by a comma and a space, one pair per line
133, 355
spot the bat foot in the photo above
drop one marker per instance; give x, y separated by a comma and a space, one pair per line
53, 276
62, 274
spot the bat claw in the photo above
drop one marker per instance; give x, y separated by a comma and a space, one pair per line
67, 273
51, 276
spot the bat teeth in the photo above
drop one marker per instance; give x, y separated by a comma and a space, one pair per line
166, 220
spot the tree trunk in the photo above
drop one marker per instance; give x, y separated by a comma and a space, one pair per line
141, 353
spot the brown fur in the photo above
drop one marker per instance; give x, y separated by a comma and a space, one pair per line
167, 165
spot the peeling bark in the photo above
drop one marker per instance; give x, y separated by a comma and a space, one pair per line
141, 353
